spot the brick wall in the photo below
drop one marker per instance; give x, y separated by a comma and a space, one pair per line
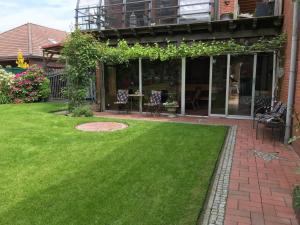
230, 8
287, 28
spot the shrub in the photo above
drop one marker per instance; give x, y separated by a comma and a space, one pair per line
80, 111
6, 80
31, 85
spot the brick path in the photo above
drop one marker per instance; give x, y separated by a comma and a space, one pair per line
259, 191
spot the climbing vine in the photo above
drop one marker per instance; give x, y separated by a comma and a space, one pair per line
123, 52
82, 51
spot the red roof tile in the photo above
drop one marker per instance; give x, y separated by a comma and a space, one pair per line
29, 38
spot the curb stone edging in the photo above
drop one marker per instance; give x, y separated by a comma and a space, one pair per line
214, 213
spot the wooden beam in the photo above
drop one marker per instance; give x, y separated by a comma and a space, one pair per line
235, 34
98, 86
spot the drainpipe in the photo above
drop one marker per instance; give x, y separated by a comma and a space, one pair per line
77, 14
292, 73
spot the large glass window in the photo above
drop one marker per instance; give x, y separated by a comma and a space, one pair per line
240, 85
197, 86
162, 76
218, 89
264, 78
124, 76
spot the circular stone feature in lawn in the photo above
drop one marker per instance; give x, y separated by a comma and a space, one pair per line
101, 126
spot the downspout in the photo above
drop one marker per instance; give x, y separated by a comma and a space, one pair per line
77, 14
292, 73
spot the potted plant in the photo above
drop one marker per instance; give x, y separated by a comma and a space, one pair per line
226, 16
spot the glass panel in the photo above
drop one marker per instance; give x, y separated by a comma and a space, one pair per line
264, 77
197, 86
218, 90
124, 76
162, 76
240, 85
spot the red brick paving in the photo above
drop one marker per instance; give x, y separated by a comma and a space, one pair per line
101, 126
259, 191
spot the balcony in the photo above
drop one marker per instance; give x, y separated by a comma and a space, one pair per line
113, 15
117, 14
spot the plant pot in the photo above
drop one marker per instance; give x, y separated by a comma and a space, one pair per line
226, 16
171, 109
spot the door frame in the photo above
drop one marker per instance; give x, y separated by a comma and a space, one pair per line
274, 81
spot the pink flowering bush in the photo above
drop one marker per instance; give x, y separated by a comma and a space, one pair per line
30, 86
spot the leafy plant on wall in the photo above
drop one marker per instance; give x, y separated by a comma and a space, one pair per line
21, 61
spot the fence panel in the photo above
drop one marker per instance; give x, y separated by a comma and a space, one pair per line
57, 84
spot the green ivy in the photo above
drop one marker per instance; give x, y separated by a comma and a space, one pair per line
85, 48
82, 51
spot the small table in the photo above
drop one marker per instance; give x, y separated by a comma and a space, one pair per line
131, 96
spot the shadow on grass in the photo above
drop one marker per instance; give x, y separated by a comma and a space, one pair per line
139, 182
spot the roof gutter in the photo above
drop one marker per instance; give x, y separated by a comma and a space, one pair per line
292, 73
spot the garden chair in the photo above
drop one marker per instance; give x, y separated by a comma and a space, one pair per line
122, 99
274, 120
155, 102
263, 107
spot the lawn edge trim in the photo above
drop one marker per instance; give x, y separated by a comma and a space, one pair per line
205, 216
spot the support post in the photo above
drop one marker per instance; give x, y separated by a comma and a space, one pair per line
140, 85
210, 84
183, 74
273, 79
98, 85
227, 84
253, 84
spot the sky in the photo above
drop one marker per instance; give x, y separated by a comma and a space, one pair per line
58, 14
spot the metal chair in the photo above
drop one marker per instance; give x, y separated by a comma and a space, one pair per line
274, 120
263, 107
155, 102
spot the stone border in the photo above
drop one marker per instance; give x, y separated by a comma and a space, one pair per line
214, 213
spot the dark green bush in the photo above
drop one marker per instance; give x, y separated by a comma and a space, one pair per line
82, 111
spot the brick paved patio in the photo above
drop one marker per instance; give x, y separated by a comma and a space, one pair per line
262, 176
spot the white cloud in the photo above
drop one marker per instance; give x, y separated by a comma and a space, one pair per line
57, 14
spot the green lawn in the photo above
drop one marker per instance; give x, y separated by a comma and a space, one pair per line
149, 174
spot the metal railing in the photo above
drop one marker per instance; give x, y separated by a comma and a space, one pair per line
143, 13
58, 83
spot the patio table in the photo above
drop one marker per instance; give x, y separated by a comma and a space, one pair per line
132, 96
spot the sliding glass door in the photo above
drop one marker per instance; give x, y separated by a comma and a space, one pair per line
218, 85
240, 85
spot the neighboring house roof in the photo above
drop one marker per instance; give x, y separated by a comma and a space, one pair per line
29, 38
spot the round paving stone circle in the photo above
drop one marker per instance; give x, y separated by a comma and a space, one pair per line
101, 126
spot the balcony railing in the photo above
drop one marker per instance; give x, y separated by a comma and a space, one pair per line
141, 13
117, 14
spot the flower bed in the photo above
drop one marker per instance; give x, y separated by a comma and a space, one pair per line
29, 86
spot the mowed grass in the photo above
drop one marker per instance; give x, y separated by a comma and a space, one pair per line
149, 174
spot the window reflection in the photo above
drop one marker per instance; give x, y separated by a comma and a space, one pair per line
162, 76
123, 76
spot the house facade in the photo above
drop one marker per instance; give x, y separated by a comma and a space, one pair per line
225, 85
28, 38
